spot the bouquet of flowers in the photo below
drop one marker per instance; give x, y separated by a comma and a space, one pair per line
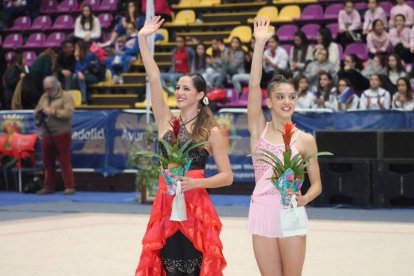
289, 173
177, 161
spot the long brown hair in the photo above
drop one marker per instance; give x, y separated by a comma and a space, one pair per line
88, 19
205, 120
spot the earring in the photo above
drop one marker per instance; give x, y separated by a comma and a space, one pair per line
205, 100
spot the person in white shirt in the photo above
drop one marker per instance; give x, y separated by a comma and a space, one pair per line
403, 98
325, 92
395, 69
374, 12
275, 59
87, 25
324, 41
346, 97
305, 96
375, 97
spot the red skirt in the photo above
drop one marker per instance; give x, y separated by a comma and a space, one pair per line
202, 228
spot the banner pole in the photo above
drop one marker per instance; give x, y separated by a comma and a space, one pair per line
149, 15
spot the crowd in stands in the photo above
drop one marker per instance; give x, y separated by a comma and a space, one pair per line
324, 77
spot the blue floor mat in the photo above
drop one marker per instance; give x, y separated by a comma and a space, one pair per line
13, 198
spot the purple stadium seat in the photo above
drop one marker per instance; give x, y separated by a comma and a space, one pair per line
21, 23
55, 39
341, 52
29, 57
48, 6
13, 41
42, 23
333, 27
362, 6
68, 6
94, 4
331, 12
386, 6
105, 19
35, 40
286, 32
232, 98
311, 30
410, 3
63, 22
1, 40
312, 12
286, 47
242, 102
358, 49
108, 5
9, 56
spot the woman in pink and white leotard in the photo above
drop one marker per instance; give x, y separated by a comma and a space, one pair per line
275, 255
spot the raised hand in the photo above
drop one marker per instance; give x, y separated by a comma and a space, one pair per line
151, 26
262, 29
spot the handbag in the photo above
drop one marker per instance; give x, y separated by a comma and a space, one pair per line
178, 212
293, 220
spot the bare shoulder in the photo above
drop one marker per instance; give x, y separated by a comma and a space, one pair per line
215, 134
306, 143
306, 138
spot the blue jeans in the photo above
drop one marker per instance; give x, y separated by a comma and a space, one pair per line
172, 78
82, 85
121, 67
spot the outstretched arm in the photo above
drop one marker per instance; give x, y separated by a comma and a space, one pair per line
256, 120
161, 111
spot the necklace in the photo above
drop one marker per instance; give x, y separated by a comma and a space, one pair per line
184, 123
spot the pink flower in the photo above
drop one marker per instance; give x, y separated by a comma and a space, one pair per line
290, 177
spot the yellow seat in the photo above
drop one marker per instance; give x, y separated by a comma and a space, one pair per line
184, 17
77, 96
270, 12
188, 3
209, 51
208, 3
165, 36
243, 32
288, 13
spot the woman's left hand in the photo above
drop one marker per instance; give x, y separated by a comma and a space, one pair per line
301, 200
188, 183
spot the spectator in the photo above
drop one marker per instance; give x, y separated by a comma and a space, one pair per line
404, 9
131, 16
161, 7
3, 68
214, 62
325, 92
351, 72
85, 69
376, 66
395, 69
375, 97
400, 38
87, 25
54, 115
306, 97
232, 62
243, 78
199, 64
300, 54
181, 59
66, 63
346, 99
15, 72
403, 98
374, 12
275, 60
119, 62
324, 41
321, 64
378, 41
349, 22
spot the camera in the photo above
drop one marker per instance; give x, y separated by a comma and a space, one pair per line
40, 118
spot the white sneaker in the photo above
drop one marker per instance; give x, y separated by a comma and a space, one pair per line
115, 79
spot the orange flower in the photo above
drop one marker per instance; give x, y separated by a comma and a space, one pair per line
287, 135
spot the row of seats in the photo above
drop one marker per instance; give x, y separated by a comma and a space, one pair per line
68, 6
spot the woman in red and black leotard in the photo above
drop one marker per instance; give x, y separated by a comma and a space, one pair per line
190, 247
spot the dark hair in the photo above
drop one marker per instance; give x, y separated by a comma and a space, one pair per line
375, 75
326, 35
303, 48
17, 59
401, 15
66, 43
276, 81
381, 59
238, 40
205, 120
324, 92
296, 83
355, 59
399, 63
349, 1
348, 83
200, 62
127, 16
88, 19
376, 21
409, 89
83, 49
